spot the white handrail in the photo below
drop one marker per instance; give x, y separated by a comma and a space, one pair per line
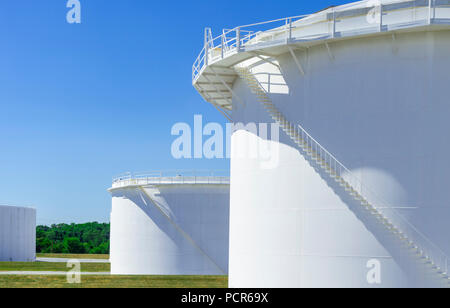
171, 177
429, 249
301, 27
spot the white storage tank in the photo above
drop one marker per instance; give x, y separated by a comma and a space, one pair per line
17, 234
358, 194
170, 224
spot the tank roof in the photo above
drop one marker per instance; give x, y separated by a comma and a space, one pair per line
213, 72
17, 207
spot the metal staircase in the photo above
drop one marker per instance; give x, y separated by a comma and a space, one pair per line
424, 260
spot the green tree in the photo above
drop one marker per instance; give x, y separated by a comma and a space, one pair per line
73, 245
57, 247
43, 244
102, 249
94, 238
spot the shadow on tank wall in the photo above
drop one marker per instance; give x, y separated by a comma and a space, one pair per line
380, 107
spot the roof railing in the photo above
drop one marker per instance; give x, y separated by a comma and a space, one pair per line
171, 177
353, 19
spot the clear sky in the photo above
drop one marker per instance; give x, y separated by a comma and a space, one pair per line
81, 103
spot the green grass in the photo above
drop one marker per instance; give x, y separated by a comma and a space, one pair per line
55, 267
72, 256
115, 282
23, 281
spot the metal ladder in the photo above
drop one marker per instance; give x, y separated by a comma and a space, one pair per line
430, 259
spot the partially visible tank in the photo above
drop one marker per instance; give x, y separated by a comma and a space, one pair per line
169, 224
17, 234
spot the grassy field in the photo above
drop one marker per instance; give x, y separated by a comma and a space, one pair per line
12, 281
23, 281
72, 256
115, 282
54, 267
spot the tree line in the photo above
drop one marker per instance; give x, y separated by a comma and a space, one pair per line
88, 238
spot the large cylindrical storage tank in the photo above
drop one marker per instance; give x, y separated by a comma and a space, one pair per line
170, 225
17, 234
375, 99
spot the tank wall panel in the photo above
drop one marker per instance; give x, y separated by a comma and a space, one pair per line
17, 234
185, 234
280, 219
380, 106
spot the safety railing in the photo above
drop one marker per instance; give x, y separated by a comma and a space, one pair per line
337, 170
353, 19
171, 177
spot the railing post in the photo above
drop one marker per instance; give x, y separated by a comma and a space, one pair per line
286, 26
431, 11
206, 47
334, 23
222, 44
381, 16
238, 39
290, 30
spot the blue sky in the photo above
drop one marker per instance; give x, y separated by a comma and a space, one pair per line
83, 102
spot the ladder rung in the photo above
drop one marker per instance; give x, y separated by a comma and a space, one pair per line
292, 132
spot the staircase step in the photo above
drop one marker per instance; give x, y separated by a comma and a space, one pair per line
293, 132
364, 203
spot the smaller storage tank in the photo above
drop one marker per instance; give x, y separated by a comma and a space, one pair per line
174, 223
17, 234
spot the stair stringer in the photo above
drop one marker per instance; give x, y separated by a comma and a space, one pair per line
410, 267
421, 271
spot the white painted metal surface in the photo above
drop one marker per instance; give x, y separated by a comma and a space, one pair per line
17, 234
376, 100
166, 225
210, 72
